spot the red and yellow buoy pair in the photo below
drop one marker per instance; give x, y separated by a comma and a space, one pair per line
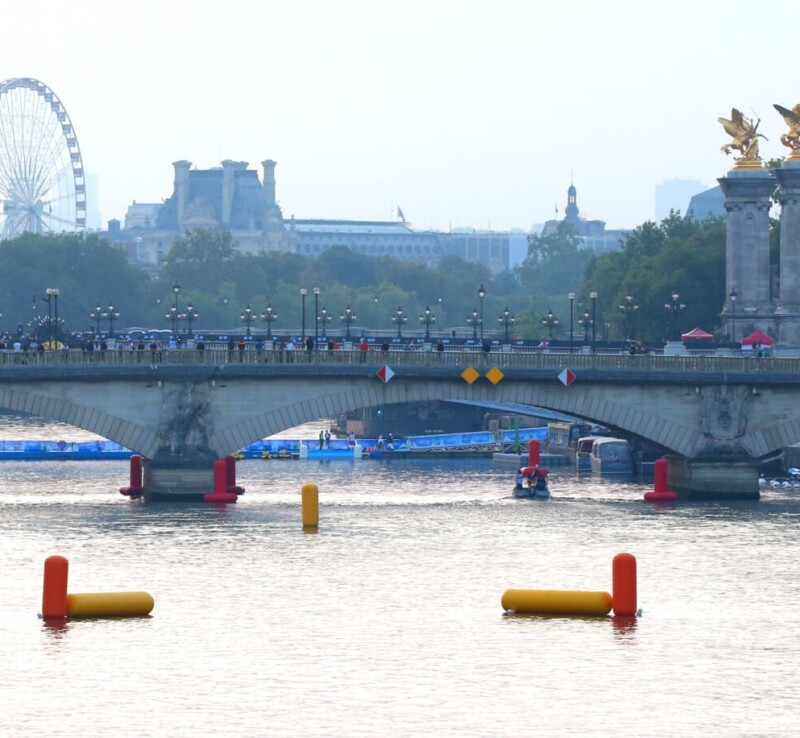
564, 602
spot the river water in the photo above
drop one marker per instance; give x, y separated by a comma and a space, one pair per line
388, 620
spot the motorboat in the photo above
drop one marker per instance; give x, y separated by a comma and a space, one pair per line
532, 483
611, 455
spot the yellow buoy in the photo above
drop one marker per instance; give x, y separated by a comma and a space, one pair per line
310, 495
109, 604
556, 602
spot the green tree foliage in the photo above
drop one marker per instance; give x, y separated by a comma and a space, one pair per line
554, 262
676, 256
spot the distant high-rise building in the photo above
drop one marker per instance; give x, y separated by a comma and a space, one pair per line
675, 194
707, 204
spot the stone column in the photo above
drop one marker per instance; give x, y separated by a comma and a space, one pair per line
269, 183
788, 177
747, 201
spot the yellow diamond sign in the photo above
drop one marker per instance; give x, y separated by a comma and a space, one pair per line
470, 374
494, 375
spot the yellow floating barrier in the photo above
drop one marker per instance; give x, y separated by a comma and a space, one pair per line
109, 604
556, 602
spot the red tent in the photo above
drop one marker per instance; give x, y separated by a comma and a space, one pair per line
758, 338
698, 334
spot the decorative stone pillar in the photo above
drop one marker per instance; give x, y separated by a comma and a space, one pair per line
269, 183
747, 202
788, 176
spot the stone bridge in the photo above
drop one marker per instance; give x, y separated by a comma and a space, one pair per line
716, 416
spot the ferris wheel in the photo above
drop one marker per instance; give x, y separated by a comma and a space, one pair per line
42, 184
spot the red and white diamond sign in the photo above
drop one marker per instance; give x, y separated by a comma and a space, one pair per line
385, 373
567, 377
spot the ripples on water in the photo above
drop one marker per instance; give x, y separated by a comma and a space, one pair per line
388, 620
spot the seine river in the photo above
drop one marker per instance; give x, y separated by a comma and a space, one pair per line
387, 622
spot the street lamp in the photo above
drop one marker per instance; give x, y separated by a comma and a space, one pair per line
571, 297
269, 315
377, 315
112, 315
316, 315
481, 295
52, 293
474, 320
172, 315
303, 293
348, 317
427, 319
593, 296
673, 308
96, 315
190, 315
586, 321
732, 297
247, 318
550, 321
629, 309
506, 320
324, 319
398, 319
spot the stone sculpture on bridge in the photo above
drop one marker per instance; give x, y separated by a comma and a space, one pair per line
745, 139
791, 139
185, 436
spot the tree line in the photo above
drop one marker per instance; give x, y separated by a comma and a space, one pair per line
676, 256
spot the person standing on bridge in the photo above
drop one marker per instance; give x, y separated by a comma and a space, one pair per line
363, 348
321, 440
242, 346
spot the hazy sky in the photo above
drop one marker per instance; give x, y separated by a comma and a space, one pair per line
462, 113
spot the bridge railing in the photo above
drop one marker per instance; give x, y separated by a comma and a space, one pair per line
541, 359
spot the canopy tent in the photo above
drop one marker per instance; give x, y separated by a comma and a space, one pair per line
698, 334
758, 338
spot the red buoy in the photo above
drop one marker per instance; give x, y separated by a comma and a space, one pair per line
54, 590
135, 488
220, 493
623, 592
660, 492
533, 453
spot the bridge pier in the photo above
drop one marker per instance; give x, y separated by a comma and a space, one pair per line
175, 483
704, 479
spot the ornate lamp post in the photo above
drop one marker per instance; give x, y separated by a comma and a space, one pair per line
51, 294
673, 308
427, 319
586, 321
377, 315
507, 321
316, 315
550, 321
112, 315
176, 290
571, 297
96, 315
398, 319
189, 316
481, 295
474, 320
269, 315
324, 319
303, 293
629, 308
593, 296
348, 317
732, 297
247, 318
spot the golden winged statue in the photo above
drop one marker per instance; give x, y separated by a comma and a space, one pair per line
791, 139
745, 138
